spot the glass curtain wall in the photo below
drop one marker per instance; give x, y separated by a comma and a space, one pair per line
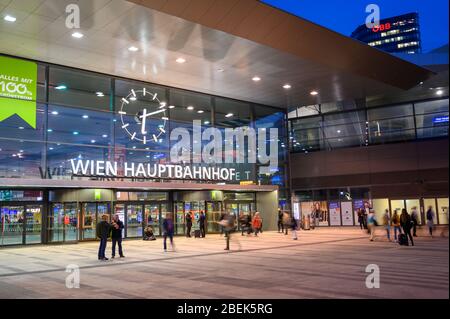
81, 116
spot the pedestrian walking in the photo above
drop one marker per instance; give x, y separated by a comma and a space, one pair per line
202, 224
396, 224
243, 223
430, 220
168, 231
188, 224
294, 225
280, 221
361, 218
415, 220
228, 224
257, 223
286, 221
406, 223
387, 223
371, 224
103, 231
116, 235
221, 218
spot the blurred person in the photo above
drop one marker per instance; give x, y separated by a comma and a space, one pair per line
406, 223
257, 223
202, 224
286, 221
430, 220
361, 219
387, 223
148, 233
280, 221
188, 224
222, 217
168, 231
371, 224
294, 225
103, 231
396, 224
243, 223
415, 220
228, 224
116, 235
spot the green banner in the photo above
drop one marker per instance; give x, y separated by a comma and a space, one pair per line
18, 87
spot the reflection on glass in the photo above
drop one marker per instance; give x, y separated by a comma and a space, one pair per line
89, 221
180, 218
34, 224
152, 217
134, 221
12, 218
70, 222
55, 223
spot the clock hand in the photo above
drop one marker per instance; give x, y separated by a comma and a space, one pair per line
144, 118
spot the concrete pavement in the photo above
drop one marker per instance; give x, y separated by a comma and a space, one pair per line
322, 263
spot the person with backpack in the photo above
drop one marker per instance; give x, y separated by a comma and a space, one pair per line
406, 223
103, 232
430, 220
168, 230
387, 223
396, 224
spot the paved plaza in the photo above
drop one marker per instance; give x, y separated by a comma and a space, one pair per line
322, 263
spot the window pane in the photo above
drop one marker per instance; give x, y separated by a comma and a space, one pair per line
78, 88
230, 113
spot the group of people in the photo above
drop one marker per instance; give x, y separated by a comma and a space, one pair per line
201, 224
250, 224
402, 223
106, 230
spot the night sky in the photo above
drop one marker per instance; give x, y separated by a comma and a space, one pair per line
344, 16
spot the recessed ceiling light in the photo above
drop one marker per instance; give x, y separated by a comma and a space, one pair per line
100, 94
200, 111
339, 131
21, 128
104, 136
229, 115
256, 78
93, 141
190, 108
206, 122
172, 107
85, 116
51, 148
133, 49
314, 93
439, 92
77, 35
9, 18
287, 86
76, 133
61, 87
180, 60
55, 113
49, 130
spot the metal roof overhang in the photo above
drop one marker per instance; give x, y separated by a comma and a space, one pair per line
122, 185
338, 66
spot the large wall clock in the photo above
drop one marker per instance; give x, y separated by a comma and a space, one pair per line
143, 116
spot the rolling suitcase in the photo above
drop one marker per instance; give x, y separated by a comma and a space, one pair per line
403, 240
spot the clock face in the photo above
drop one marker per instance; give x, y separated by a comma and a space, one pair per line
143, 116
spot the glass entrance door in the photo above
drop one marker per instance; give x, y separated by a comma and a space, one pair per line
33, 224
213, 212
12, 219
63, 222
134, 222
88, 221
153, 218
180, 220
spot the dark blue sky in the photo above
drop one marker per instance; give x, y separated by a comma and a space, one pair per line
344, 16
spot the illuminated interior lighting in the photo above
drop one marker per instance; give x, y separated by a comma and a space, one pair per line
9, 18
287, 86
314, 93
133, 49
229, 115
190, 108
256, 79
180, 60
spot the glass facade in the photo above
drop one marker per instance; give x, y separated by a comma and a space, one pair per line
336, 125
79, 118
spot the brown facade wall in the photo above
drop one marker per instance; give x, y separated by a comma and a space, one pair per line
393, 169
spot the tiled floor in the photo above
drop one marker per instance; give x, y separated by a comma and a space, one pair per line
323, 263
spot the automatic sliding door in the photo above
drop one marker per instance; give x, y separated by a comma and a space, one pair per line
33, 224
55, 223
89, 221
134, 221
152, 217
180, 218
70, 222
12, 218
